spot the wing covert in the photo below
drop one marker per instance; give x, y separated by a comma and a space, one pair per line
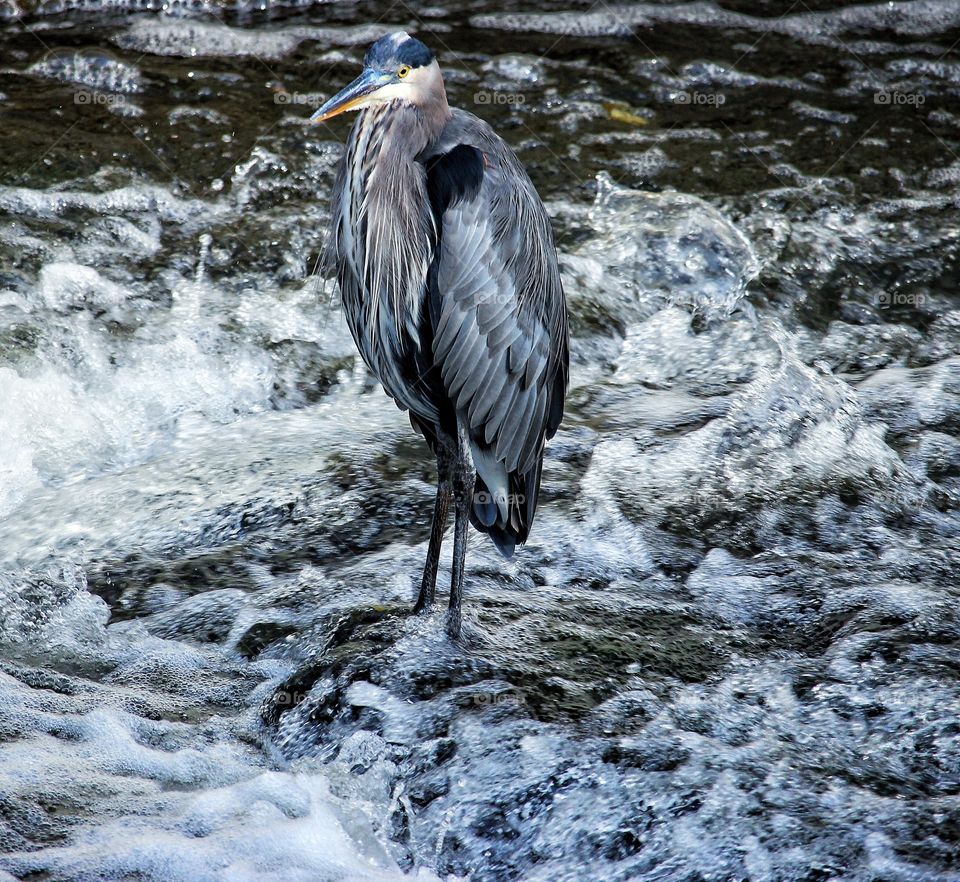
496, 303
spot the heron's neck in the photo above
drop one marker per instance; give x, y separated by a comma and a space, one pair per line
392, 133
430, 98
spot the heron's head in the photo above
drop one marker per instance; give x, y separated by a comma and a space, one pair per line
397, 67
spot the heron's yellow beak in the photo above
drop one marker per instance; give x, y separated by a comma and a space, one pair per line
353, 96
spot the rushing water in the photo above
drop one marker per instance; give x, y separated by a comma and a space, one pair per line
730, 650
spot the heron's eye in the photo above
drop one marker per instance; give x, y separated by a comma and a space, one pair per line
402, 71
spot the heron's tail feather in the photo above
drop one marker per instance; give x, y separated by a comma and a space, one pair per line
504, 503
507, 521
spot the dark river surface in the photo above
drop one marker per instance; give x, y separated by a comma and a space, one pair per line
729, 651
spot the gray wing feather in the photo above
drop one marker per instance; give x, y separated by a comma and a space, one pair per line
501, 337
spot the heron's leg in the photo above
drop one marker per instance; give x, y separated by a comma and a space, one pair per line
441, 509
463, 482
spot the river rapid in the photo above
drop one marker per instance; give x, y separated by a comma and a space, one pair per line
729, 650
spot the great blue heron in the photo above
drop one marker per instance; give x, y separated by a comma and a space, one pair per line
448, 273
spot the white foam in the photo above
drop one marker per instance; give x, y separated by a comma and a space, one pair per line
793, 430
94, 68
915, 18
655, 249
71, 423
194, 39
139, 199
83, 400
